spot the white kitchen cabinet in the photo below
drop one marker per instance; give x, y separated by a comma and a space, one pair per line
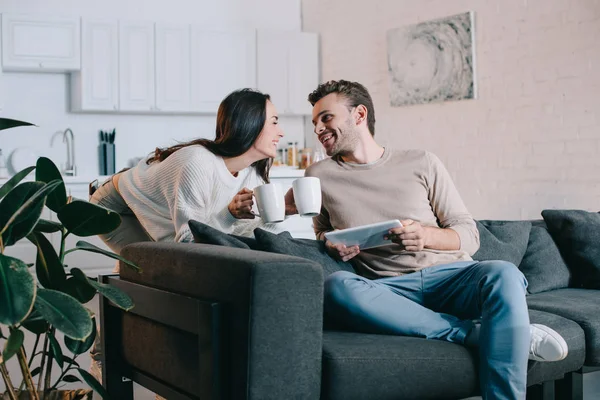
40, 43
221, 63
173, 68
288, 69
136, 66
96, 86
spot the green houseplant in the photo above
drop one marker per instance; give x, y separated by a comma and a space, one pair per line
56, 301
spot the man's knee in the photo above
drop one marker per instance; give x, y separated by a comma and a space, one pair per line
503, 273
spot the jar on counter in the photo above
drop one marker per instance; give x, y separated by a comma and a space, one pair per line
292, 155
305, 158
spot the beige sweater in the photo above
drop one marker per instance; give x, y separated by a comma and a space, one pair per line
410, 184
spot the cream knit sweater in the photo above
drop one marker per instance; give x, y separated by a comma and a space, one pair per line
192, 183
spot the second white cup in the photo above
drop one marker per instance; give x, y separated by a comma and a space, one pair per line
270, 202
307, 195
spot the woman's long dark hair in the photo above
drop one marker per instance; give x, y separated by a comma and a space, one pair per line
240, 119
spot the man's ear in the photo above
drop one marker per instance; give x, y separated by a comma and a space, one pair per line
360, 114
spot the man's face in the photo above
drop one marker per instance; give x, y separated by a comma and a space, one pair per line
334, 125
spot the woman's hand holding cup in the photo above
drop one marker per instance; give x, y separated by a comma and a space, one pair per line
241, 205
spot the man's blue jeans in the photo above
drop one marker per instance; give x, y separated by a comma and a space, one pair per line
441, 302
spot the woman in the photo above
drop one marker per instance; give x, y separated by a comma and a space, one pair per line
205, 180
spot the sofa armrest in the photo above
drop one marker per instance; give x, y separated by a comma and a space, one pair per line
272, 311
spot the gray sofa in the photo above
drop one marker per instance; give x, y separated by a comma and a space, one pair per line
213, 322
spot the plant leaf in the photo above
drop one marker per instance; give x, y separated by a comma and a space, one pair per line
46, 171
81, 346
82, 291
13, 344
56, 350
87, 219
114, 294
71, 378
21, 208
83, 245
93, 383
17, 290
35, 323
14, 181
43, 225
65, 313
6, 123
50, 271
35, 371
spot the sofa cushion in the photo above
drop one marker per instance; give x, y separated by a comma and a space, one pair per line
579, 305
577, 234
208, 235
542, 265
364, 366
502, 240
538, 372
313, 250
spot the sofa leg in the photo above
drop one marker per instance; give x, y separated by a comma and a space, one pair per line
542, 391
570, 387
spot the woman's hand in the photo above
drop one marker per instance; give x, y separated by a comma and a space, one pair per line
241, 205
340, 251
290, 203
412, 235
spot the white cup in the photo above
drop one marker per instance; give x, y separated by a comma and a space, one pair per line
270, 202
307, 196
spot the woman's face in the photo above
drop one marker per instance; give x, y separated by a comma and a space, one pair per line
267, 141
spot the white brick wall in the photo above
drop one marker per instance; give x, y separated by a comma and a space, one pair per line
532, 138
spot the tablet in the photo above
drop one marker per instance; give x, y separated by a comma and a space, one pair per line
365, 236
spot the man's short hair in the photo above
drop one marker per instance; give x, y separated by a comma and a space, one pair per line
355, 93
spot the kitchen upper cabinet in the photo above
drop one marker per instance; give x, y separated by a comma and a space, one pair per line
136, 67
288, 69
221, 63
173, 68
96, 86
40, 43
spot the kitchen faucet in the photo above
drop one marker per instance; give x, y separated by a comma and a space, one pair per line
69, 139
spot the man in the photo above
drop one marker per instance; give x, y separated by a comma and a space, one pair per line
425, 284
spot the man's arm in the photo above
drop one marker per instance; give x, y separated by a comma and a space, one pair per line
457, 230
338, 251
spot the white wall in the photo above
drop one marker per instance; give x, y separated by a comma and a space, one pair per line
532, 139
43, 99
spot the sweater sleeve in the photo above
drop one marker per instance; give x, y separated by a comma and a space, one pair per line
191, 194
321, 224
448, 206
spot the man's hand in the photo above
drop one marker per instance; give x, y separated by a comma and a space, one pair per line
340, 251
412, 235
290, 203
241, 205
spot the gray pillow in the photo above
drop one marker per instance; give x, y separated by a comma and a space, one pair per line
542, 264
313, 250
502, 240
577, 234
206, 234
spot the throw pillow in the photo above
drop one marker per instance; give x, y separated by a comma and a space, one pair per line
542, 264
577, 234
206, 234
502, 240
313, 250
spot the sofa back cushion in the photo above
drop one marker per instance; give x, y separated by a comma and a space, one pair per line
208, 235
313, 250
502, 240
542, 264
577, 234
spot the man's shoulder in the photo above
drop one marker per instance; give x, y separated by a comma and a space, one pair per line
321, 167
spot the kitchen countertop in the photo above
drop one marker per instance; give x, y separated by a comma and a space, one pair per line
276, 172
